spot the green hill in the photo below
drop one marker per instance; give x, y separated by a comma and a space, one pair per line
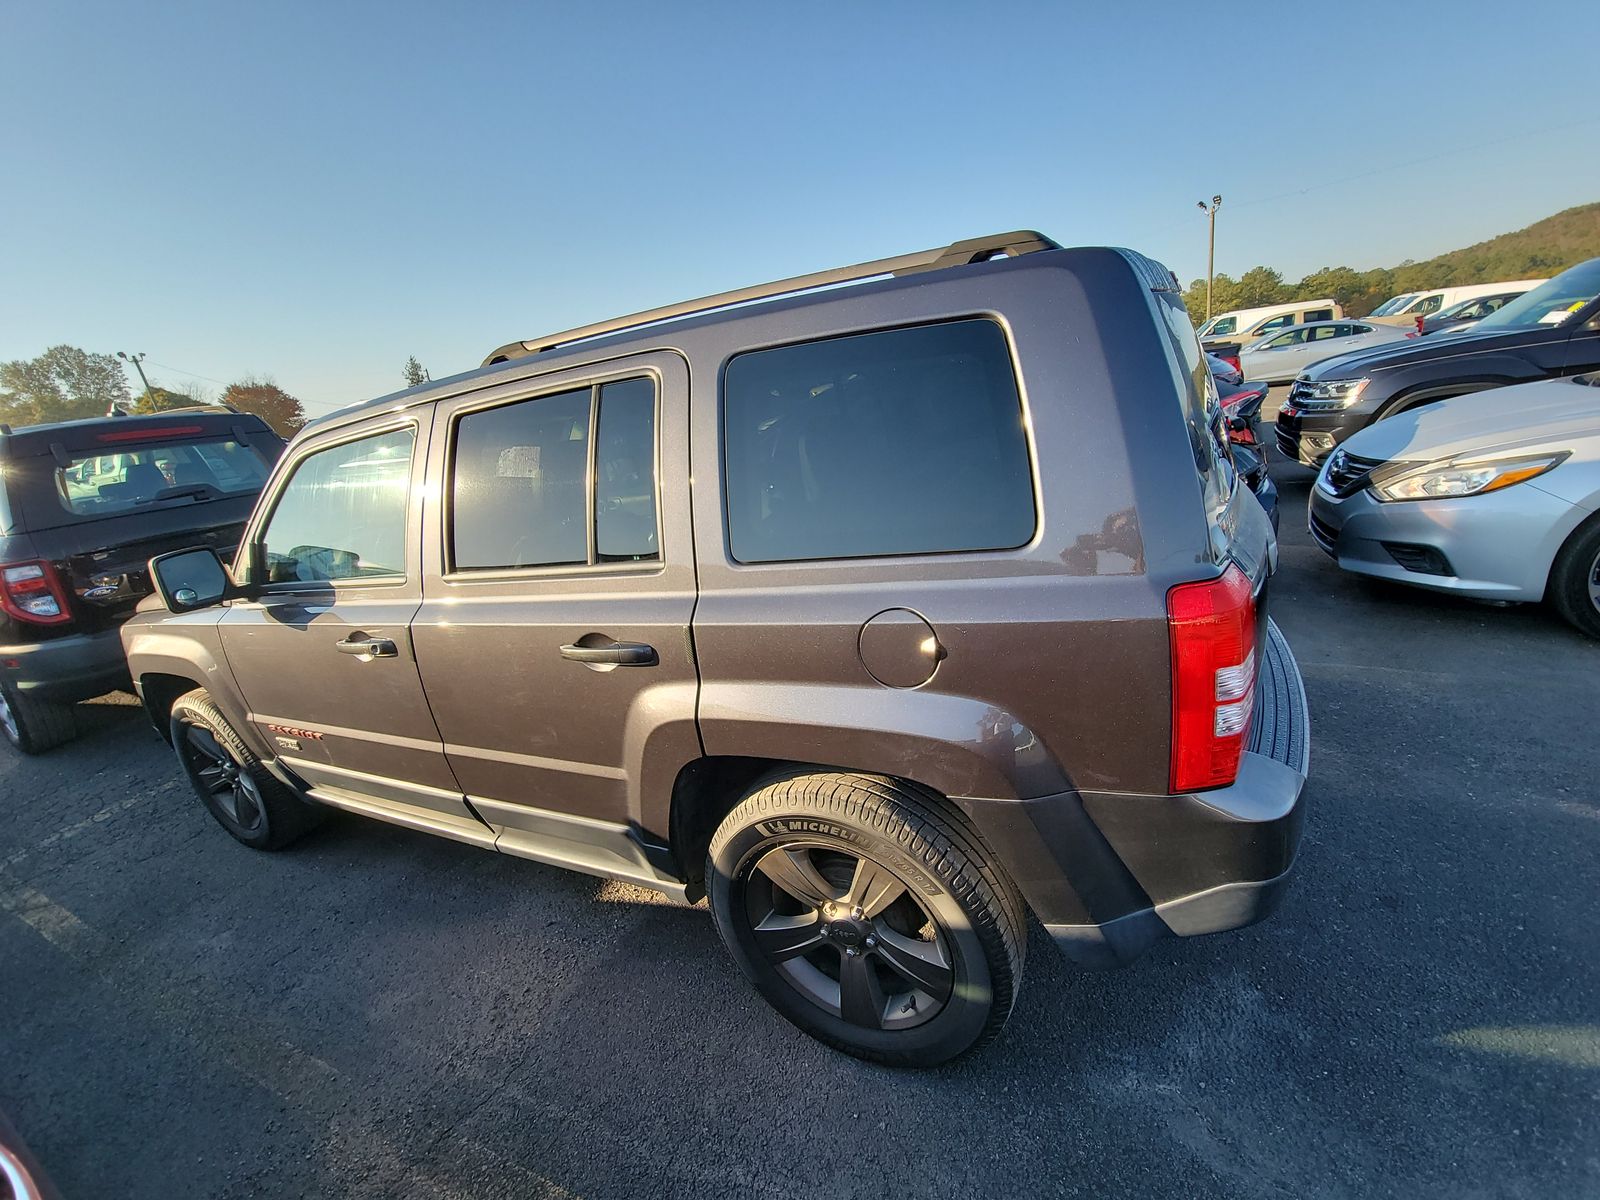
1542, 249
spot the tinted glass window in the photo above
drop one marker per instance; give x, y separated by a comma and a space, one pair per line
1221, 326
625, 473
1275, 323
343, 513
519, 489
908, 441
1317, 314
166, 473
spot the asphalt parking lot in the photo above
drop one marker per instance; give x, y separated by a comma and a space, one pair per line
381, 1013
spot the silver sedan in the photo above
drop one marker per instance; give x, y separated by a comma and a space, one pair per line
1281, 357
1495, 495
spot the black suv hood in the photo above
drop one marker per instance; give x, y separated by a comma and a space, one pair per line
1389, 355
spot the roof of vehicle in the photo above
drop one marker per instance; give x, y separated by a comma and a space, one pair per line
1026, 247
109, 432
1268, 310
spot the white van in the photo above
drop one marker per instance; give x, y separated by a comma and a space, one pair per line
1246, 325
1409, 307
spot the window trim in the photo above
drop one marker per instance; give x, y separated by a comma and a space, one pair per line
594, 385
257, 529
1023, 411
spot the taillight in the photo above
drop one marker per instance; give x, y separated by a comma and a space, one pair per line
1212, 627
31, 592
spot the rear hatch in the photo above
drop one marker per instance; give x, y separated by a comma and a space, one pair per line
98, 512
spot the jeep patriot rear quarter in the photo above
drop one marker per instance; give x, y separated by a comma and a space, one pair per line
872, 612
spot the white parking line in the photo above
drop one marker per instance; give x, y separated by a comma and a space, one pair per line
77, 827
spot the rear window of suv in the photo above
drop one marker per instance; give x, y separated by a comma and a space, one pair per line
122, 478
904, 441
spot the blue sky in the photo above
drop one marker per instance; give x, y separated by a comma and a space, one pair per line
315, 191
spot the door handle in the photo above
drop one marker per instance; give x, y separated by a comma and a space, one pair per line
370, 646
616, 654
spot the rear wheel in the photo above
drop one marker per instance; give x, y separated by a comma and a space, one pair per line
244, 797
34, 726
869, 915
1575, 579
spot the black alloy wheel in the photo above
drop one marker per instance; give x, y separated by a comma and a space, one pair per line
221, 778
848, 934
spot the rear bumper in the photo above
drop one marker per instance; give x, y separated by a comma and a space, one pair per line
67, 669
1111, 874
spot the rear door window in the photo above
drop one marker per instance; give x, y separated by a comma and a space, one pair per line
905, 441
520, 490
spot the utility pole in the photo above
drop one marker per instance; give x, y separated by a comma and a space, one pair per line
137, 360
1211, 246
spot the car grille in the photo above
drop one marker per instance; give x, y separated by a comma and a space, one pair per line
1289, 444
1323, 534
1347, 473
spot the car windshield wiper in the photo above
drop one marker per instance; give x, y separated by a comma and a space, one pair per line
199, 491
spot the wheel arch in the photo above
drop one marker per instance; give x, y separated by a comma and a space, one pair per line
159, 691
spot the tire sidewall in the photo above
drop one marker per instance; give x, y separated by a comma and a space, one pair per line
19, 741
195, 709
963, 1019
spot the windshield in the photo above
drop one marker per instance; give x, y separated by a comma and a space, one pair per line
1550, 303
1394, 305
93, 485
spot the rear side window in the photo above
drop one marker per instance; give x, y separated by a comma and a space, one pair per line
520, 492
342, 514
906, 441
1316, 314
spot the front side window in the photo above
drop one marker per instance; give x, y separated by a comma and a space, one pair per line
1220, 327
1293, 338
1427, 306
1275, 323
342, 514
520, 491
906, 441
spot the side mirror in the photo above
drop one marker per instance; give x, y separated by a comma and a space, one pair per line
190, 579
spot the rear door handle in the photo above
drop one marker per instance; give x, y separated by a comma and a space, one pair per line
372, 647
617, 654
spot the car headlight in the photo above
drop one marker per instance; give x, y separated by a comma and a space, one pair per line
1334, 394
1434, 481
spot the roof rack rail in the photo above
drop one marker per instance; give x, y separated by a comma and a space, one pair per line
957, 254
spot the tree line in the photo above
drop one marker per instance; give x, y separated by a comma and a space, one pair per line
67, 384
1543, 249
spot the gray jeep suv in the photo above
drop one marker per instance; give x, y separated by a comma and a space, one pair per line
879, 615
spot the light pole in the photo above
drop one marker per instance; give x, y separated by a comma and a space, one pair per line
1211, 246
136, 360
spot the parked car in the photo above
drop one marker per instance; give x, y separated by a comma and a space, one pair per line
846, 678
1281, 357
1225, 371
1412, 307
83, 507
1552, 330
1228, 332
1464, 314
1495, 495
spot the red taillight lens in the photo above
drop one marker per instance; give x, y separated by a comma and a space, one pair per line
1212, 627
30, 591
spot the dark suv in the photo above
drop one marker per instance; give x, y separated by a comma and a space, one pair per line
881, 615
83, 507
1550, 331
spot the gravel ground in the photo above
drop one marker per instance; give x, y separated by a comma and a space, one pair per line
380, 1013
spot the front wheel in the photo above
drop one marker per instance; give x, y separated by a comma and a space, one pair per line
1575, 578
870, 915
244, 797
